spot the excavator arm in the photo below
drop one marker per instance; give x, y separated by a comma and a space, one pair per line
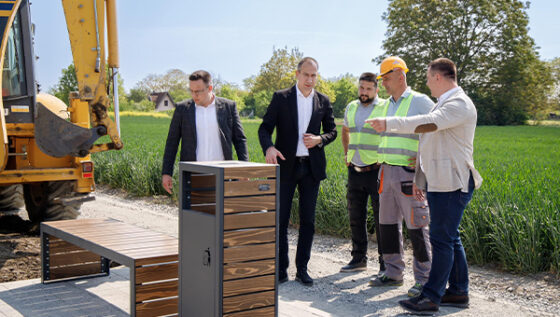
87, 25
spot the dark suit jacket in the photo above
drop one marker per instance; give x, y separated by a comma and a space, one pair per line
183, 128
282, 114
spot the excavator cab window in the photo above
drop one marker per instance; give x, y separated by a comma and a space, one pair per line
13, 70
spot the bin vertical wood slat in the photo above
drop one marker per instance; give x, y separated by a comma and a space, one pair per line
228, 223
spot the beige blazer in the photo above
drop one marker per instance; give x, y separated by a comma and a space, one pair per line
445, 155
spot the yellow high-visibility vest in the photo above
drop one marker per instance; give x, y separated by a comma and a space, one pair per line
396, 148
367, 140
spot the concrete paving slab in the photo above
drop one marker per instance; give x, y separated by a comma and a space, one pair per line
88, 297
109, 296
100, 296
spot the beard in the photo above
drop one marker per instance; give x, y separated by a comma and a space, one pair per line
365, 99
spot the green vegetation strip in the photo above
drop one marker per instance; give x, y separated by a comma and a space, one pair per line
513, 220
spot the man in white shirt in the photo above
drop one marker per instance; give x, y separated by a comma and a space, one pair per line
448, 176
298, 114
206, 125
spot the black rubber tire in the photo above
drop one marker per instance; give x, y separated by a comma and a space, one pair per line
43, 204
11, 198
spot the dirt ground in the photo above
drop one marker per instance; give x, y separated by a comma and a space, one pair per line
19, 257
493, 292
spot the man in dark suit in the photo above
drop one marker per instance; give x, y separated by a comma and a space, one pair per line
297, 114
206, 125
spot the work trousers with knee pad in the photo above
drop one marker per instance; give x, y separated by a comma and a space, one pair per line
396, 202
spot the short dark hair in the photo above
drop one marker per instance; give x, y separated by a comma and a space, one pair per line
370, 77
201, 75
307, 59
445, 67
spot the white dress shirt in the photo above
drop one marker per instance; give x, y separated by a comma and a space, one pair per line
305, 109
445, 96
208, 144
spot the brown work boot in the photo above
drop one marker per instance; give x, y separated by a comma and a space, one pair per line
455, 300
420, 305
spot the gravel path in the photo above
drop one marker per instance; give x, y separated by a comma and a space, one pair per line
493, 293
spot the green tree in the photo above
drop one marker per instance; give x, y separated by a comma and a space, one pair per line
232, 92
489, 42
174, 81
326, 88
137, 94
346, 90
262, 99
66, 84
279, 72
555, 92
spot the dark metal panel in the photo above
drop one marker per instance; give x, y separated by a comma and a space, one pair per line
198, 263
201, 288
105, 265
276, 234
218, 292
133, 290
200, 169
184, 178
45, 276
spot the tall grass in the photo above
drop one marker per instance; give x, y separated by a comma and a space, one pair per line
137, 167
513, 220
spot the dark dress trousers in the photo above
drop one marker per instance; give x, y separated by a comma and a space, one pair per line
183, 128
305, 174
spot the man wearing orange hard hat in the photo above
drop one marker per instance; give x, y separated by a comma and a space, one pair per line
390, 64
397, 156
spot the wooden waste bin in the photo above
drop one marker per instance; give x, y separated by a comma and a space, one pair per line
227, 239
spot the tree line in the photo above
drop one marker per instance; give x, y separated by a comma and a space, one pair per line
497, 63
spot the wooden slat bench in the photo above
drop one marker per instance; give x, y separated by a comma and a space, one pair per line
81, 248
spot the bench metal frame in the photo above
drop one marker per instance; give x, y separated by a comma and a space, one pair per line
106, 254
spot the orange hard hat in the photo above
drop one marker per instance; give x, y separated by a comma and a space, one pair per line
390, 63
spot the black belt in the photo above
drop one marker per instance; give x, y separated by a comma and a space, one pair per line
302, 159
363, 169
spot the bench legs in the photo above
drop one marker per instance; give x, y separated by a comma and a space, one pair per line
63, 261
155, 284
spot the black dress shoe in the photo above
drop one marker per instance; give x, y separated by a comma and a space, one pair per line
355, 265
304, 278
455, 300
420, 305
282, 277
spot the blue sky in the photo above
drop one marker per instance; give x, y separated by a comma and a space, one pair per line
233, 39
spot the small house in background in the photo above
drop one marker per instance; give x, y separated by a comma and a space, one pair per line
162, 101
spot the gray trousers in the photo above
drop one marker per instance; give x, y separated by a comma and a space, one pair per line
396, 203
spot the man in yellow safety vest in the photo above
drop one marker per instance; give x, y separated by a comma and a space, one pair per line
360, 143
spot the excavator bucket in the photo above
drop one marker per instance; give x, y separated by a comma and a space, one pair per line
58, 137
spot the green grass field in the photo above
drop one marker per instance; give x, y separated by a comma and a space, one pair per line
513, 220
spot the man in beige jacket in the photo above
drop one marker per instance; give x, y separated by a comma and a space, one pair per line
448, 176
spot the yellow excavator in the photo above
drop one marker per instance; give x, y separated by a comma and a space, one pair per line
45, 145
